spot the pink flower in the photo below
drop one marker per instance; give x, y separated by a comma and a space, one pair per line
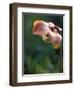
48, 31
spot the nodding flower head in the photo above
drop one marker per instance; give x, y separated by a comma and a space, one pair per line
48, 31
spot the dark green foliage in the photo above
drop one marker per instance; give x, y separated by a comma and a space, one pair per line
40, 57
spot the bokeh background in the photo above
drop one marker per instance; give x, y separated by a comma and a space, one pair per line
40, 57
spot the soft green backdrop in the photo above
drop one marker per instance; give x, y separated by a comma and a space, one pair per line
38, 56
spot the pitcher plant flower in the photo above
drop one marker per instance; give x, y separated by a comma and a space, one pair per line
48, 31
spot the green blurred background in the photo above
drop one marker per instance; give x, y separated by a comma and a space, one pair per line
38, 56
